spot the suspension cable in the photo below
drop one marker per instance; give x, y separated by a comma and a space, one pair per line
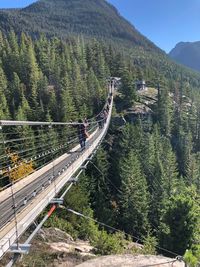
117, 230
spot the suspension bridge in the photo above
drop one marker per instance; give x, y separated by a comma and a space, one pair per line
49, 165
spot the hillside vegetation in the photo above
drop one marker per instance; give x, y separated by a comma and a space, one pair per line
92, 18
146, 182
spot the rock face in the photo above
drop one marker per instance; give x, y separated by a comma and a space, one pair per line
132, 261
54, 235
60, 241
82, 247
58, 249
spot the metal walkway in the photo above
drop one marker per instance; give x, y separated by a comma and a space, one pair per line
33, 193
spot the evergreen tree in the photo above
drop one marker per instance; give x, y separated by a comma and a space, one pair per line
43, 54
164, 110
11, 59
25, 132
68, 110
128, 87
16, 91
133, 197
170, 173
4, 111
94, 90
99, 188
31, 75
3, 82
178, 224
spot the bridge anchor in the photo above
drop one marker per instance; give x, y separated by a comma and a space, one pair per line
58, 201
20, 248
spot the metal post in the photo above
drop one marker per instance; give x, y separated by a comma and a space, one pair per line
12, 192
52, 157
26, 244
40, 224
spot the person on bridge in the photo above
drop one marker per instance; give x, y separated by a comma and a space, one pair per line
105, 113
82, 133
86, 122
100, 119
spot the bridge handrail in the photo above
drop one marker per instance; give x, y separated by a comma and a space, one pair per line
11, 237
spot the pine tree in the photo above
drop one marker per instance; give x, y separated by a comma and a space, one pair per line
25, 132
53, 106
3, 82
16, 91
133, 196
99, 188
12, 59
178, 224
128, 87
68, 109
42, 96
43, 54
164, 111
31, 75
170, 173
4, 111
94, 90
184, 151
2, 44
24, 110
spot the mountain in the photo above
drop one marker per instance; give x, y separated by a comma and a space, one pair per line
96, 18
187, 53
147, 177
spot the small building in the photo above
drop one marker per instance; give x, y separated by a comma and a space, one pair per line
141, 85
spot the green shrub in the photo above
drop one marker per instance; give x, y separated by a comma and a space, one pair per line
106, 244
192, 256
62, 224
150, 243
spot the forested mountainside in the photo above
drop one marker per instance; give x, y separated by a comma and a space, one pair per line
187, 53
96, 18
91, 19
148, 185
147, 180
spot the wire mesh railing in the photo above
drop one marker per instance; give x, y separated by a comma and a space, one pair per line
27, 147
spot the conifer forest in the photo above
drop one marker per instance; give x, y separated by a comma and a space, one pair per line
149, 180
145, 178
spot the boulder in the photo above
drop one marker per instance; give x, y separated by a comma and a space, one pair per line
54, 235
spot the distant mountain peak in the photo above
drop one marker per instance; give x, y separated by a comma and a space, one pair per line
187, 53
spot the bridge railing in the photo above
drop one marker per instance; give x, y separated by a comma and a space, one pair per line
54, 157
27, 146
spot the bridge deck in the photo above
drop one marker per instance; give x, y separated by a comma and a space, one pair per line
39, 191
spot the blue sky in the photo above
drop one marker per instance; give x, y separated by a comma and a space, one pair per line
165, 22
15, 3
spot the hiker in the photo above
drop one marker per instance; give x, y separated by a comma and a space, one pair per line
82, 133
100, 120
86, 123
105, 114
107, 108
